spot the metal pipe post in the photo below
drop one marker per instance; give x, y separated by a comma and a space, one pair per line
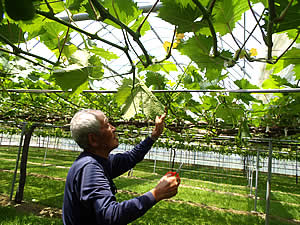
154, 166
269, 183
251, 175
256, 179
296, 165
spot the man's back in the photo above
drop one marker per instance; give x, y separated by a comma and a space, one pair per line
90, 192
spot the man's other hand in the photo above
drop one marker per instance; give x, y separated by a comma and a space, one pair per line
166, 188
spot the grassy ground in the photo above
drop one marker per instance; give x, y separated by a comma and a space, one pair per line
12, 216
206, 195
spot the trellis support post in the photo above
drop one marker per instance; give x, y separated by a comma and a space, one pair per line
256, 179
269, 183
296, 165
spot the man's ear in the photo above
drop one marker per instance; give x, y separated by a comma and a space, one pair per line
93, 140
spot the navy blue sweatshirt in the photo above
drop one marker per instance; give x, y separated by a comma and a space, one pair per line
89, 196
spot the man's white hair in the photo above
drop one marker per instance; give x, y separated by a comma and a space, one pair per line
83, 123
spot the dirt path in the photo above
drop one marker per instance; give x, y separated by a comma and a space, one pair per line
30, 207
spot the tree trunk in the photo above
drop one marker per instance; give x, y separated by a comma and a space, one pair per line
23, 165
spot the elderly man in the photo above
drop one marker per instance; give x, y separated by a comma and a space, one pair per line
89, 196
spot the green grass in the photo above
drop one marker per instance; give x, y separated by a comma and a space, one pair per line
12, 216
215, 188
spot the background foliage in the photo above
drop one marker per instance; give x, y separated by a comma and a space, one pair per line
198, 27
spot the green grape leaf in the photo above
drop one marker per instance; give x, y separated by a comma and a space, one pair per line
292, 57
230, 113
245, 84
123, 91
212, 73
227, 13
198, 49
156, 80
145, 27
67, 51
264, 2
192, 79
57, 6
166, 66
74, 5
245, 97
244, 131
76, 75
132, 105
71, 77
291, 19
12, 32
292, 33
152, 107
280, 81
1, 11
257, 112
53, 34
103, 53
139, 99
197, 45
297, 72
95, 68
209, 102
124, 10
33, 27
186, 3
270, 83
80, 57
182, 15
4, 63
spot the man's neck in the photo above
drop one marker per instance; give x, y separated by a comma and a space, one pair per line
102, 153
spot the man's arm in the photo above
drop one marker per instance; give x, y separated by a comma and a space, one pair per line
123, 162
127, 160
95, 192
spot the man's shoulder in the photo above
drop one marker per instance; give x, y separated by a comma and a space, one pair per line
84, 159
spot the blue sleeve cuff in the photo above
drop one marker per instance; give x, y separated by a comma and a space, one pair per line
149, 141
152, 200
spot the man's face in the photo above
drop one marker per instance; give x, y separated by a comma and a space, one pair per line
107, 137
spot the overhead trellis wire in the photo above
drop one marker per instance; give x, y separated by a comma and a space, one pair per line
262, 91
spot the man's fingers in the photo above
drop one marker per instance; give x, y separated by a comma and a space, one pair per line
159, 126
163, 116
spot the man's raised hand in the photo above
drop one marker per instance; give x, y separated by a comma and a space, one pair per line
159, 126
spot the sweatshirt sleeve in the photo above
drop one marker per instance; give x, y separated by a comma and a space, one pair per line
96, 192
122, 162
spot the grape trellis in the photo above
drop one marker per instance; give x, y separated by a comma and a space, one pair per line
200, 63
